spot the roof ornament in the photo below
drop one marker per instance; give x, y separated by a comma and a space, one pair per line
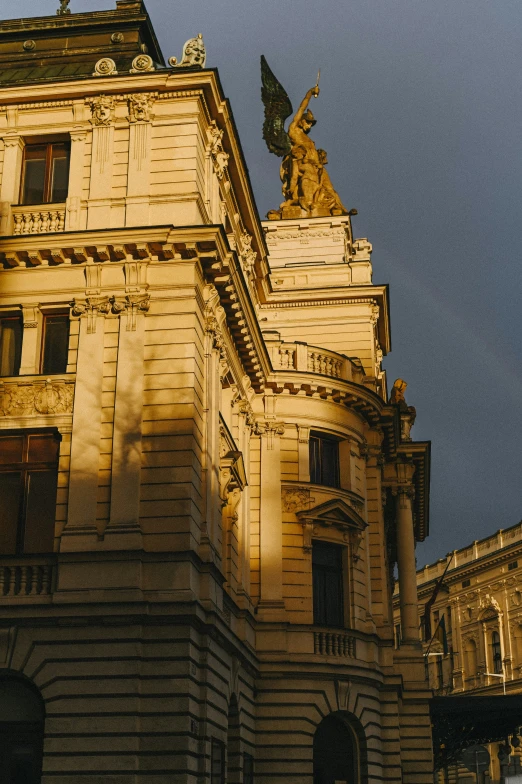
307, 189
194, 54
64, 8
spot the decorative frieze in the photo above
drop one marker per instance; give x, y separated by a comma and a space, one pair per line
36, 397
296, 498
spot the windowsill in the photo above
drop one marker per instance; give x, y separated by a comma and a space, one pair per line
38, 377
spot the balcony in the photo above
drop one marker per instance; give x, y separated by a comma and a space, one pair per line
29, 579
312, 359
38, 219
340, 644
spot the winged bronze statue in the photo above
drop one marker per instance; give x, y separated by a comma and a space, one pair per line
307, 188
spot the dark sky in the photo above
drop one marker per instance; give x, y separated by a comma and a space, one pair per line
420, 113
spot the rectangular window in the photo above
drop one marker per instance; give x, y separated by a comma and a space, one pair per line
55, 343
324, 460
45, 173
28, 484
327, 579
248, 769
466, 583
512, 565
217, 763
10, 345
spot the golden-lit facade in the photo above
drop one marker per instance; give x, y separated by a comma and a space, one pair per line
480, 606
206, 487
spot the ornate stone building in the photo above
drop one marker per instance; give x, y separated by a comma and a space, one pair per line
481, 603
204, 486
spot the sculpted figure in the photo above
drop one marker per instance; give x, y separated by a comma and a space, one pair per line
307, 188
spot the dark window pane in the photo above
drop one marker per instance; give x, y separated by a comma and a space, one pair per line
10, 500
248, 769
315, 461
56, 344
59, 177
327, 579
330, 462
40, 512
217, 763
34, 181
43, 448
10, 346
324, 461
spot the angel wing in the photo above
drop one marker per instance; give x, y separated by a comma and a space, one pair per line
277, 109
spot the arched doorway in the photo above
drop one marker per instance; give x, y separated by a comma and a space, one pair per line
21, 737
337, 755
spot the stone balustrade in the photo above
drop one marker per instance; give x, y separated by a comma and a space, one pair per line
311, 359
25, 580
335, 644
39, 219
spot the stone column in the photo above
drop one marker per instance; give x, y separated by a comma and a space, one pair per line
11, 173
72, 214
271, 605
102, 158
407, 567
138, 175
128, 412
86, 427
29, 362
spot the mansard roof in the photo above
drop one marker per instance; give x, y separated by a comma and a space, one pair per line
57, 48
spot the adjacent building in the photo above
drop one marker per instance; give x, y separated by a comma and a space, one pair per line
204, 487
480, 606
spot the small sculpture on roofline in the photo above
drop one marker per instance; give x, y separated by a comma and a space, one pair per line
307, 189
408, 413
64, 8
194, 54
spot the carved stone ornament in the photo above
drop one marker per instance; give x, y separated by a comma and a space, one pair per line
140, 105
102, 109
194, 54
142, 63
269, 430
91, 307
215, 146
334, 514
117, 38
133, 304
489, 603
29, 46
232, 474
248, 255
32, 398
296, 498
105, 67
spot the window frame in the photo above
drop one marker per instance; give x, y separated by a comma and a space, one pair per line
50, 145
317, 475
496, 653
46, 315
13, 315
342, 576
26, 469
215, 743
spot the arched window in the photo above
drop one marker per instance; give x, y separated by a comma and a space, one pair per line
21, 737
496, 653
336, 754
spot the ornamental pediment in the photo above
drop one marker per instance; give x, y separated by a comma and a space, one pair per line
335, 512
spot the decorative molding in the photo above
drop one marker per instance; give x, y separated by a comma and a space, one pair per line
102, 110
269, 430
142, 64
91, 307
140, 105
36, 397
133, 304
215, 148
105, 67
296, 498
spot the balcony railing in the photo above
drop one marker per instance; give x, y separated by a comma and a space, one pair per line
38, 219
25, 580
311, 359
335, 644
